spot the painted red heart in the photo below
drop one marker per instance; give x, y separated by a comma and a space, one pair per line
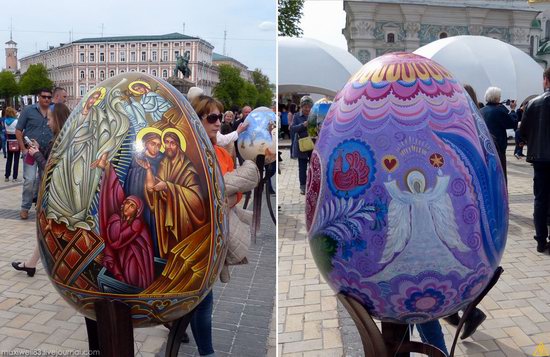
390, 163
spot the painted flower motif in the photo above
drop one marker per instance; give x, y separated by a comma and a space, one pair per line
429, 300
475, 283
348, 281
425, 294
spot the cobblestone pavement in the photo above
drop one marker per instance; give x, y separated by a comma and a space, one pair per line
34, 316
518, 308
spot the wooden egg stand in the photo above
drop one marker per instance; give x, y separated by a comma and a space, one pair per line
393, 340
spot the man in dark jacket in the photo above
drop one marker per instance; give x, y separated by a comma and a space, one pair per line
535, 131
498, 119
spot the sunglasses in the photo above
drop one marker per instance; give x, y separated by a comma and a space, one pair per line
46, 96
213, 118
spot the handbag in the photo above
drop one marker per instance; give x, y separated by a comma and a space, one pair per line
305, 144
13, 146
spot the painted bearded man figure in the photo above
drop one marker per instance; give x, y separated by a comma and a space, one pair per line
174, 195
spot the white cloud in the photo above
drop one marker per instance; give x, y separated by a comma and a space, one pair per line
267, 26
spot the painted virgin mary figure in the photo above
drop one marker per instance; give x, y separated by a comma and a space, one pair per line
134, 184
73, 186
421, 223
128, 253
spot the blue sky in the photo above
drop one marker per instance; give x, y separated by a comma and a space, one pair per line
250, 24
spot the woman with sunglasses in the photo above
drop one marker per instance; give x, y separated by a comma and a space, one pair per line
57, 115
243, 179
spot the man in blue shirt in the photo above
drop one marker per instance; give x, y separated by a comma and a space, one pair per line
33, 123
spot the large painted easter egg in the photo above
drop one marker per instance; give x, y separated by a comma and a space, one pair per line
406, 204
258, 136
132, 202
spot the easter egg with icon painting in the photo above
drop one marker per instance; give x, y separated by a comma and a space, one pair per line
131, 205
259, 138
406, 203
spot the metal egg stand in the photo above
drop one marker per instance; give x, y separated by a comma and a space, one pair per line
393, 340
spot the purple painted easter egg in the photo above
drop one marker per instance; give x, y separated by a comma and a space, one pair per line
406, 204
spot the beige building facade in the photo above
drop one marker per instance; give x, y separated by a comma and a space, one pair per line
374, 28
80, 65
219, 59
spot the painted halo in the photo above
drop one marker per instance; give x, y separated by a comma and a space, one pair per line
406, 205
259, 135
132, 202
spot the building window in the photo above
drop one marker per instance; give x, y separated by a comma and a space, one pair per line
91, 87
133, 45
122, 56
165, 55
101, 57
143, 56
133, 70
81, 57
164, 73
101, 75
92, 75
143, 71
391, 38
112, 46
154, 45
112, 56
176, 44
176, 54
154, 56
82, 90
132, 56
154, 72
111, 73
121, 71
443, 35
81, 46
91, 46
81, 74
92, 57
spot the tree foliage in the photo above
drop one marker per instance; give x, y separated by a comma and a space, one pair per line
228, 90
265, 93
249, 95
290, 12
34, 79
8, 86
234, 91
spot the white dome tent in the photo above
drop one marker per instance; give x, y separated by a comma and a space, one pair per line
311, 66
484, 62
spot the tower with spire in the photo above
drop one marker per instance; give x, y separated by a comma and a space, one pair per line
11, 54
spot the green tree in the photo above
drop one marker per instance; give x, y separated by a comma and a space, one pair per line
290, 12
229, 89
35, 79
248, 95
265, 93
8, 86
